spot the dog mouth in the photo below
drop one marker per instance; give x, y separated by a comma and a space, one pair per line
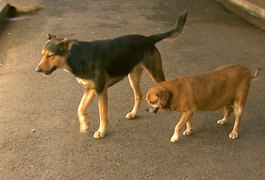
48, 72
153, 110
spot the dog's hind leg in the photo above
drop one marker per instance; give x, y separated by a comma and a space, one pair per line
134, 79
228, 110
103, 114
85, 102
238, 110
153, 65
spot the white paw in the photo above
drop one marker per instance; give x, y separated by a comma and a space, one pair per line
222, 121
174, 138
130, 115
233, 135
99, 134
187, 132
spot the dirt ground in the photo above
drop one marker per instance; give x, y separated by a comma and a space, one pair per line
39, 129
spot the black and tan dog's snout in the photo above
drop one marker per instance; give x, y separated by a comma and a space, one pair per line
38, 69
45, 71
46, 66
41, 66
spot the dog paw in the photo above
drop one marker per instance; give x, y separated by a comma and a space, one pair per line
99, 134
84, 125
187, 132
174, 138
233, 135
222, 121
130, 115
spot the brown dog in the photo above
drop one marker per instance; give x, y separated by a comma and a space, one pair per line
226, 86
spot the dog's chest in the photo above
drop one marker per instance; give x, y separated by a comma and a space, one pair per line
86, 83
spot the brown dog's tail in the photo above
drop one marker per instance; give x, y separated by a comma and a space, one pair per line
256, 74
172, 33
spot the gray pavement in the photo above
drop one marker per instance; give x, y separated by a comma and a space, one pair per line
39, 132
251, 10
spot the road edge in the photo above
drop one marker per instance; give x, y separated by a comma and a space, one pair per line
251, 12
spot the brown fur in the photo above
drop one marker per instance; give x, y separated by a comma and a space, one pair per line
226, 86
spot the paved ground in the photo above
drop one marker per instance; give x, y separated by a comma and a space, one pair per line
137, 149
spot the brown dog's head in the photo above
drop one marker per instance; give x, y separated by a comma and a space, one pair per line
157, 98
54, 54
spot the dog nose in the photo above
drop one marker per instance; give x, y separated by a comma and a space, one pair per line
155, 110
38, 69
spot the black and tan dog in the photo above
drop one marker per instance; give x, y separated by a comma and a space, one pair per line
98, 65
227, 87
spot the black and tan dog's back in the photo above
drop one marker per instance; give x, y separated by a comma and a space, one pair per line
99, 64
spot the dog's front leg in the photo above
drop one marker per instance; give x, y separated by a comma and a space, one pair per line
85, 102
103, 114
184, 118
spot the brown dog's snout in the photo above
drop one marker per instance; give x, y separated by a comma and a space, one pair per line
146, 108
153, 110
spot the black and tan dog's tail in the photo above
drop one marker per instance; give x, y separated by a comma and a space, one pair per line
172, 33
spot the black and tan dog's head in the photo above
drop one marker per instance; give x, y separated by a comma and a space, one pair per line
157, 98
54, 54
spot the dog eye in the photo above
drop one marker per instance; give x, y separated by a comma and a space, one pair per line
153, 102
50, 55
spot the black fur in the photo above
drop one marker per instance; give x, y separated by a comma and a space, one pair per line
54, 46
103, 59
117, 57
99, 60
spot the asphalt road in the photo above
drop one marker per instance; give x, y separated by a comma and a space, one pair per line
39, 129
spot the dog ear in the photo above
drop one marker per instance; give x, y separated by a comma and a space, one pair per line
66, 44
163, 96
51, 36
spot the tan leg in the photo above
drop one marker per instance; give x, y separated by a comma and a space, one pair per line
188, 130
103, 115
228, 110
85, 102
238, 113
134, 79
184, 118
